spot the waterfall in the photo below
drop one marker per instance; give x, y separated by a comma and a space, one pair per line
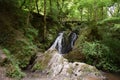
73, 39
58, 43
64, 46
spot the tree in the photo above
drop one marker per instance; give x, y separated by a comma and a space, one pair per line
36, 2
50, 1
45, 31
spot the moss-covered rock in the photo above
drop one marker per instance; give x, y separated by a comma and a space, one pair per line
75, 55
41, 62
58, 66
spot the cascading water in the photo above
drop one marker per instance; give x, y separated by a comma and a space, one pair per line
73, 39
58, 42
64, 46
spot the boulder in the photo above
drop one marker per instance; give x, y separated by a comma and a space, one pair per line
59, 68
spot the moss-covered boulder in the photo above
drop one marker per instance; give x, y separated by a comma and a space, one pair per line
57, 67
75, 55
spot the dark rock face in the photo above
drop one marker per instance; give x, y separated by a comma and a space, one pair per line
71, 40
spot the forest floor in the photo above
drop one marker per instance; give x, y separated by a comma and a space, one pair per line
29, 75
41, 76
2, 74
35, 76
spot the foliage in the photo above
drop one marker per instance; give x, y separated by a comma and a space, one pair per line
100, 55
102, 52
24, 51
31, 33
38, 66
18, 39
26, 48
13, 69
110, 20
41, 62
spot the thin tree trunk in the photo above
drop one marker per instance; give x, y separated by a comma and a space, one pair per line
81, 11
28, 16
102, 13
58, 6
50, 6
88, 14
95, 11
36, 2
118, 7
28, 19
45, 31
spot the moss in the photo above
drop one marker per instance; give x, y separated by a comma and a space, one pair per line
42, 62
14, 71
38, 66
12, 68
70, 70
75, 55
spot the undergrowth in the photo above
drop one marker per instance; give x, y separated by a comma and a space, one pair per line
99, 46
12, 69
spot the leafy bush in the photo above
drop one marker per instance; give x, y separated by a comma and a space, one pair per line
24, 52
13, 69
31, 33
100, 55
110, 20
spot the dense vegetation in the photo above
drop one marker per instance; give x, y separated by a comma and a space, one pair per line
30, 26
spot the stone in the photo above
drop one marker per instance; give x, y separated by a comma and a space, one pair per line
2, 56
60, 68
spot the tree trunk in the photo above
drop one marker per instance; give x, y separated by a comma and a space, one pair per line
58, 7
88, 14
45, 31
118, 7
28, 19
50, 6
95, 11
36, 2
81, 11
102, 13
91, 9
28, 16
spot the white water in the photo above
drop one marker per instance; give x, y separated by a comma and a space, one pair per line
74, 37
58, 42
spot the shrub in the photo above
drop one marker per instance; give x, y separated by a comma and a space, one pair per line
13, 69
100, 55
24, 51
